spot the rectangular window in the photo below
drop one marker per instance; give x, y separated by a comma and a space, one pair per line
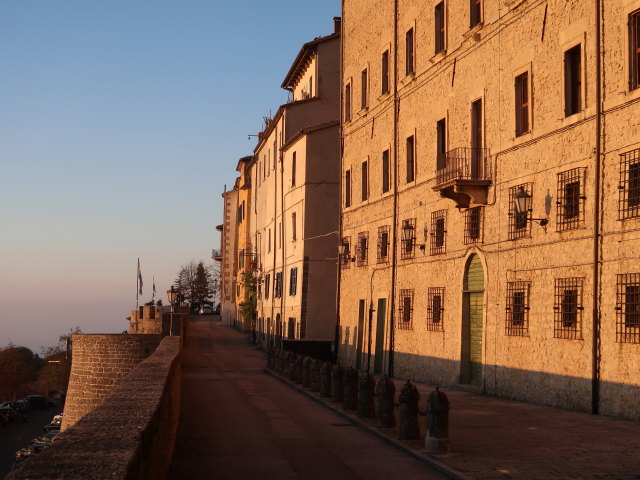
385, 171
347, 102
634, 50
572, 81
409, 56
568, 308
408, 242
347, 188
473, 225
440, 33
405, 309
280, 235
411, 159
628, 308
570, 203
241, 259
435, 309
293, 170
294, 228
269, 244
278, 286
385, 72
364, 98
477, 153
361, 249
345, 259
441, 144
365, 181
475, 13
519, 222
293, 281
517, 309
522, 104
267, 285
438, 232
383, 244
629, 186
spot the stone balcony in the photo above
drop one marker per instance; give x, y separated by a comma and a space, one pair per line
464, 176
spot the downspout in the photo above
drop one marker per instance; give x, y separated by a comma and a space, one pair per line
595, 378
392, 326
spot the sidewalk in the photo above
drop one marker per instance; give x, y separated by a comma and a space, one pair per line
493, 438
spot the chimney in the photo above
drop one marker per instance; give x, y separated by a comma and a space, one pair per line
337, 24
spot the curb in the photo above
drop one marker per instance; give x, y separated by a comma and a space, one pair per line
422, 457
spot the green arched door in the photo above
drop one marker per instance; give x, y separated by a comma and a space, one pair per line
472, 320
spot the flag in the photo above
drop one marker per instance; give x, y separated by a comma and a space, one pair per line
154, 286
139, 279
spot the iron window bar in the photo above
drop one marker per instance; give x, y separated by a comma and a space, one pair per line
570, 199
473, 225
408, 241
517, 309
568, 309
405, 309
628, 308
362, 248
383, 244
345, 254
464, 163
435, 309
519, 221
629, 186
437, 244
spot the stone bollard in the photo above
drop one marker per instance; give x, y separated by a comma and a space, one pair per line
279, 360
270, 358
385, 407
325, 379
408, 427
286, 364
299, 368
337, 385
437, 439
315, 375
306, 372
350, 381
366, 388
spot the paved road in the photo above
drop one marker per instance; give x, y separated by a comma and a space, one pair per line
16, 435
239, 423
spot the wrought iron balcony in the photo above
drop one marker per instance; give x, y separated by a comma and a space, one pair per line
464, 175
216, 255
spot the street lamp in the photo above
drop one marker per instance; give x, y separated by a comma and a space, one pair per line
409, 237
522, 201
171, 296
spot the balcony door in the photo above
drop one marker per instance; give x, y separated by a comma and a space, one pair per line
476, 140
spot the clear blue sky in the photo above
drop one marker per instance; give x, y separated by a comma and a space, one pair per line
120, 124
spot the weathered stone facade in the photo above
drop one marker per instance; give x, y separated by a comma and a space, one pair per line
486, 297
159, 320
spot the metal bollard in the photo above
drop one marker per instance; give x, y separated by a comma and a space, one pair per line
385, 407
408, 427
437, 439
325, 379
350, 381
306, 372
315, 375
366, 393
337, 385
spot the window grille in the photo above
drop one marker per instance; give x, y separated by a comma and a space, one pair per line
345, 260
517, 309
570, 199
438, 232
519, 223
405, 310
629, 187
383, 244
277, 293
473, 223
628, 308
435, 309
408, 245
361, 249
568, 308
293, 281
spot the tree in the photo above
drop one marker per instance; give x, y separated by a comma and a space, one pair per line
194, 282
56, 366
18, 367
249, 307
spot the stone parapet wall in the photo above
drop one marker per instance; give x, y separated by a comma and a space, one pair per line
100, 362
152, 320
129, 436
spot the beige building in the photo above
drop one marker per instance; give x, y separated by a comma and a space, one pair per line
295, 206
243, 250
227, 257
454, 115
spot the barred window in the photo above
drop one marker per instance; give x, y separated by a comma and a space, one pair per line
628, 308
519, 222
293, 281
435, 309
568, 308
517, 308
408, 242
345, 260
361, 249
383, 244
473, 225
438, 232
277, 293
629, 187
570, 203
405, 309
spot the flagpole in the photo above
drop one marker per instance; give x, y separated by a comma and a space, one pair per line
137, 282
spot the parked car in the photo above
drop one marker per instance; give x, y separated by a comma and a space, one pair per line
205, 310
54, 425
37, 401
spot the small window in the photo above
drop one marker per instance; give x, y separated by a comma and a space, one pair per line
405, 309
362, 248
517, 306
293, 170
241, 259
628, 308
267, 284
364, 99
347, 188
385, 171
634, 47
269, 243
572, 81
345, 260
385, 72
475, 13
519, 222
441, 144
347, 102
568, 308
522, 104
629, 186
473, 225
409, 60
411, 159
408, 243
570, 203
440, 27
383, 244
294, 228
435, 309
438, 232
293, 281
278, 286
365, 181
310, 86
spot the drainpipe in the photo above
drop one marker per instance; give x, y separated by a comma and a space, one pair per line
595, 378
392, 326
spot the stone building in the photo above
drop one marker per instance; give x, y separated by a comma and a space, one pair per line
242, 249
227, 257
455, 115
295, 206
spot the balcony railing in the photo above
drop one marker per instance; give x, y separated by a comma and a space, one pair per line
216, 255
464, 163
